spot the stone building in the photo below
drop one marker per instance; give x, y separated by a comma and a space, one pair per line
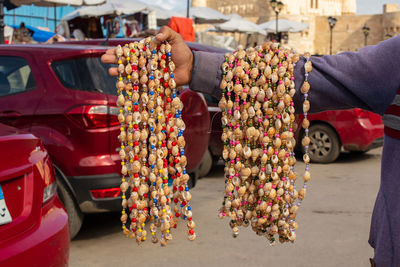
347, 34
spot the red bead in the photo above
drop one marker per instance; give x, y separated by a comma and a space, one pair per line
134, 230
178, 174
163, 57
176, 160
144, 48
169, 100
184, 203
136, 157
190, 219
136, 176
135, 87
135, 189
165, 69
174, 143
175, 225
191, 231
134, 207
175, 200
177, 214
136, 143
133, 51
166, 84
181, 188
145, 195
135, 126
171, 129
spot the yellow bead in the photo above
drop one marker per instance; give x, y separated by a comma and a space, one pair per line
152, 233
158, 89
131, 144
128, 77
160, 171
131, 160
128, 108
124, 180
119, 61
159, 117
128, 58
121, 111
123, 212
167, 231
124, 227
130, 126
140, 230
144, 238
123, 197
159, 142
143, 224
122, 163
122, 147
129, 93
122, 128
163, 210
120, 78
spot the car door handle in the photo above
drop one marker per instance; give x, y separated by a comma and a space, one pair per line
10, 114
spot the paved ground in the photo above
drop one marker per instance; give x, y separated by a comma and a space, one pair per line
333, 227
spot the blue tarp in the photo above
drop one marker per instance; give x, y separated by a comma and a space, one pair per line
37, 34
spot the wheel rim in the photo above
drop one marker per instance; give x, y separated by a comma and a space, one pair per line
320, 144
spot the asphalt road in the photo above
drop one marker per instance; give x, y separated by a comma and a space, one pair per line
333, 229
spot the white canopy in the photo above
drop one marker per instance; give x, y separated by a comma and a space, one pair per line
237, 23
112, 7
58, 2
284, 25
208, 15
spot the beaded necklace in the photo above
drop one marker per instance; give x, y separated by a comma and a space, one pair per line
258, 124
152, 143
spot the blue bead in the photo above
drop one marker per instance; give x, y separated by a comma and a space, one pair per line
179, 92
151, 93
169, 54
151, 110
172, 75
179, 134
155, 200
177, 115
154, 51
187, 189
173, 95
151, 129
184, 217
189, 208
154, 183
152, 166
181, 205
151, 77
152, 146
184, 171
155, 217
179, 111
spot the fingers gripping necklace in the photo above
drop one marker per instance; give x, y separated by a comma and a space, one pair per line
258, 124
152, 143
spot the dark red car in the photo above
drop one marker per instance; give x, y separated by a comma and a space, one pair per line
33, 221
64, 95
330, 131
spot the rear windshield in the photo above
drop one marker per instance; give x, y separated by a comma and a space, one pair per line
86, 74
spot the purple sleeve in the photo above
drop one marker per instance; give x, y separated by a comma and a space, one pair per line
207, 73
367, 79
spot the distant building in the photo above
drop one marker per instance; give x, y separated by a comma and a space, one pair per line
347, 34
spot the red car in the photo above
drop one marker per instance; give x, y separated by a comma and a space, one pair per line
330, 131
64, 95
33, 221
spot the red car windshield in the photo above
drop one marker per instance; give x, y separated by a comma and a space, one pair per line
86, 74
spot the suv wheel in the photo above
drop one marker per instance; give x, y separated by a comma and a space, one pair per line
206, 164
325, 145
75, 216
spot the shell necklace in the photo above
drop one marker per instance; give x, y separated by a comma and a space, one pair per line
152, 143
258, 124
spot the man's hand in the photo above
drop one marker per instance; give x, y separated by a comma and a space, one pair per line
181, 55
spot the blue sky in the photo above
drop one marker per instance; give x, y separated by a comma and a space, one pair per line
363, 6
373, 6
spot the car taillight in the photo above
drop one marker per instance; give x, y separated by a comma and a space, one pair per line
360, 113
94, 116
105, 193
49, 191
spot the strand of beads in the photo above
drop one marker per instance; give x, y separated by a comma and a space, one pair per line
258, 135
152, 142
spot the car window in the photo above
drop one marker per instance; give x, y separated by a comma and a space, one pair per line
15, 76
211, 99
86, 74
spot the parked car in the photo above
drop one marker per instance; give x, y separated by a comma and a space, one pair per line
33, 222
64, 95
354, 130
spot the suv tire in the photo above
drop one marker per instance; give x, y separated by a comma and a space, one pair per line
206, 164
75, 216
325, 144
